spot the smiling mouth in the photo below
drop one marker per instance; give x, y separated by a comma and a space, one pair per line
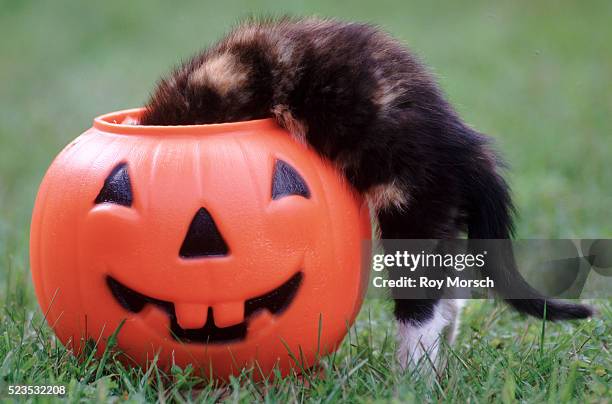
275, 301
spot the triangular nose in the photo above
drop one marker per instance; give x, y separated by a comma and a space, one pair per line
203, 238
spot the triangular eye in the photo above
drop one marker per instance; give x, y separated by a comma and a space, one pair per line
286, 181
117, 188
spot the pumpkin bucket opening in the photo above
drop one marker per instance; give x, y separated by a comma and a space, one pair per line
126, 123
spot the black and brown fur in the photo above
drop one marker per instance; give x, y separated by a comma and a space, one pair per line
361, 99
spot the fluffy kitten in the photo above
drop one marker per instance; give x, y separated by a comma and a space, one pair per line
361, 99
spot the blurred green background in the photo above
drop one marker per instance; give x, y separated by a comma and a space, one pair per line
535, 75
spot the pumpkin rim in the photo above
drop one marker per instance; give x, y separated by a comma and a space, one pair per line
112, 122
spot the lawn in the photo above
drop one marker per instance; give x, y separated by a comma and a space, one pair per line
536, 76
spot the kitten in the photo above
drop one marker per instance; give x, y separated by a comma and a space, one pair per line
361, 99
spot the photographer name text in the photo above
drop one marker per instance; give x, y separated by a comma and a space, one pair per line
428, 283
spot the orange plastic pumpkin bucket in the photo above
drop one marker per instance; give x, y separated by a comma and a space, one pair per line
220, 245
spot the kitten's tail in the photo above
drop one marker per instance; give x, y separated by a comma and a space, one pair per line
490, 214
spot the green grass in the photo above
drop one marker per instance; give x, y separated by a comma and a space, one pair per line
535, 76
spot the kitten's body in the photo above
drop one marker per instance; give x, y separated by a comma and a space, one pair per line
359, 98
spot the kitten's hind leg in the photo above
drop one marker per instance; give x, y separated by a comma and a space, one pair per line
421, 329
422, 323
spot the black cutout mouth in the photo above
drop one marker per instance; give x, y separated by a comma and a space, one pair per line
276, 301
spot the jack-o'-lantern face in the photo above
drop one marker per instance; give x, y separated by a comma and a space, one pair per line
199, 322
219, 246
